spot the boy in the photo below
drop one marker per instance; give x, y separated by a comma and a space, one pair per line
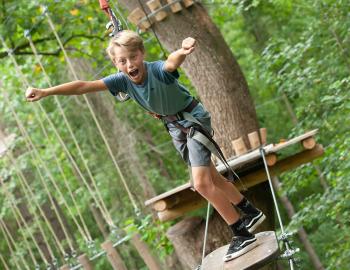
154, 86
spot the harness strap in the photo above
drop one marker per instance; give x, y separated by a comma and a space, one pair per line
199, 133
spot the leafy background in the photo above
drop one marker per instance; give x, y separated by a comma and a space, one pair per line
290, 51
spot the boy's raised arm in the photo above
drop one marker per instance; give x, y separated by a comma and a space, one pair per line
175, 59
70, 88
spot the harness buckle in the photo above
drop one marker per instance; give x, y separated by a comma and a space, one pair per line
191, 132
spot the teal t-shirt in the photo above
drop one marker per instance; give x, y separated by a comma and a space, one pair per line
161, 93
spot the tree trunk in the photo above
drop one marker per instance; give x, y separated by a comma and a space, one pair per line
212, 69
187, 237
221, 85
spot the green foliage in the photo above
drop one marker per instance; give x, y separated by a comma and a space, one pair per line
292, 50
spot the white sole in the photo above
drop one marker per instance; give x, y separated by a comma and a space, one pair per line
241, 252
257, 224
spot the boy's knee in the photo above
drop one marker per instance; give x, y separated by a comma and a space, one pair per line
203, 184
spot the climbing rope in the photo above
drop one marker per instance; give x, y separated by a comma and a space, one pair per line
205, 236
17, 213
284, 237
154, 32
26, 84
98, 200
85, 234
10, 241
131, 197
4, 263
32, 198
36, 156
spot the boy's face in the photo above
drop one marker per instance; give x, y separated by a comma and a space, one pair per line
130, 63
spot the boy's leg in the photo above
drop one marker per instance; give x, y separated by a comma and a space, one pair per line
203, 183
253, 217
243, 240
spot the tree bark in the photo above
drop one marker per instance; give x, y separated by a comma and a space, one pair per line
222, 88
212, 69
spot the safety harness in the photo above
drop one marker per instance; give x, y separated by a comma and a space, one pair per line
199, 133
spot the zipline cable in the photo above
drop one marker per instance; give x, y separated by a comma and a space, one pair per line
131, 197
10, 241
17, 213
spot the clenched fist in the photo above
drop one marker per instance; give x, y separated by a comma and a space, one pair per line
34, 94
188, 45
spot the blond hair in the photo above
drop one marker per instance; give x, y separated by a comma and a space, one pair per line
127, 39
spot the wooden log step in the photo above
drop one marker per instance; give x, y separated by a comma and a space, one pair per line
239, 146
309, 143
170, 202
266, 251
175, 6
188, 3
138, 15
155, 6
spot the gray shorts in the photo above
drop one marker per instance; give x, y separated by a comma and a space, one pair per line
192, 152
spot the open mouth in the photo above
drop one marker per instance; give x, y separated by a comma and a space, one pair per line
134, 73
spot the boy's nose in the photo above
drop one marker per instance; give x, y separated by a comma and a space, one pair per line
129, 63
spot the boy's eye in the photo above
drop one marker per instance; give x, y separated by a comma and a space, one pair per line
122, 61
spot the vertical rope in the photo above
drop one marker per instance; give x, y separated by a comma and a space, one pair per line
30, 146
262, 152
26, 188
4, 263
131, 197
65, 120
17, 213
9, 239
26, 84
205, 233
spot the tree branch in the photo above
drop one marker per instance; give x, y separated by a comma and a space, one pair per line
20, 49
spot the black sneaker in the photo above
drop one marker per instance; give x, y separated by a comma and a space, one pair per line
252, 221
239, 246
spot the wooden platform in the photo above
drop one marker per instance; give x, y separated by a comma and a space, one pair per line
266, 251
249, 167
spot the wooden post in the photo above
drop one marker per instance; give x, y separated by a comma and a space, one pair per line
239, 146
135, 16
254, 140
176, 7
263, 135
113, 256
85, 262
145, 253
187, 3
153, 6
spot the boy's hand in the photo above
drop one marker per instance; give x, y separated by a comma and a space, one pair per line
188, 45
34, 94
